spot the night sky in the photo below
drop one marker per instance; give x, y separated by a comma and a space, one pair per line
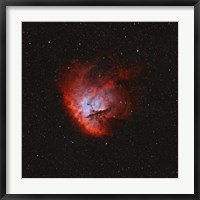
99, 100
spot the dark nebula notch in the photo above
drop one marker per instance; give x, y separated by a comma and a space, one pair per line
96, 97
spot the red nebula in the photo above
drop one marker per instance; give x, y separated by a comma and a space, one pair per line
95, 97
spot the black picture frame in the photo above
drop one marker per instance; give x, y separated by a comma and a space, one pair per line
5, 3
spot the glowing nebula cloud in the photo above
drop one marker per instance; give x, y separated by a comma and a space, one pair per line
95, 97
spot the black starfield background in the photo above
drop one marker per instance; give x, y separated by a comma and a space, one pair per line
144, 145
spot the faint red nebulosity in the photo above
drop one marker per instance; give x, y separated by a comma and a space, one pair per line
94, 97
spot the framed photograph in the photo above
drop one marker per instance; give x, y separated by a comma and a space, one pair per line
99, 99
